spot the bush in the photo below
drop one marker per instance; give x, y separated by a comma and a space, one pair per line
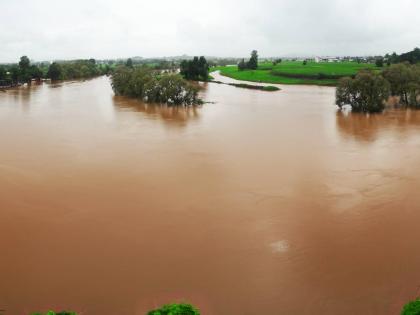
411, 308
175, 309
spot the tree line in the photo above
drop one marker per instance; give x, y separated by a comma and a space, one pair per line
369, 90
25, 72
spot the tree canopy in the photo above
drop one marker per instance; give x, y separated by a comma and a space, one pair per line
196, 69
152, 86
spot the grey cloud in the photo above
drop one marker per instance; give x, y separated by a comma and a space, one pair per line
50, 29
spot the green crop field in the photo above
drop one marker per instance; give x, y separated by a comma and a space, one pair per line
294, 72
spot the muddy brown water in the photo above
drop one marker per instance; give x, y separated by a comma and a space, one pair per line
261, 203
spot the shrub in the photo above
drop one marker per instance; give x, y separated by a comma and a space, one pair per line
175, 309
411, 308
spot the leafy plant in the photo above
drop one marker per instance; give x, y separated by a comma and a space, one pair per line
175, 309
412, 308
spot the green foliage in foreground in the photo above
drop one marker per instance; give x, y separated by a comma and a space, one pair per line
175, 309
412, 308
152, 86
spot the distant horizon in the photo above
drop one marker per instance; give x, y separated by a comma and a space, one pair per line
207, 56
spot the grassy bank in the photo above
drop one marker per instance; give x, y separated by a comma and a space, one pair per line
294, 72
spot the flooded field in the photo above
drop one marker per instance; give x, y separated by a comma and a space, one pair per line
258, 203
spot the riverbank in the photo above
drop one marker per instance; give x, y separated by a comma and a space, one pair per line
295, 73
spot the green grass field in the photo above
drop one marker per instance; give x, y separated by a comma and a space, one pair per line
294, 72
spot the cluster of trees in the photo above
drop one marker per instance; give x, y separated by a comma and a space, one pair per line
196, 69
368, 91
78, 69
23, 72
251, 64
152, 86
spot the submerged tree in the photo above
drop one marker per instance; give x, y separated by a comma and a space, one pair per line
152, 86
367, 92
405, 82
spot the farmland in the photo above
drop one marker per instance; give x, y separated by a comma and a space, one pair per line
294, 72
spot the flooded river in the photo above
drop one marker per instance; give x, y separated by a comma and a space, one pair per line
258, 203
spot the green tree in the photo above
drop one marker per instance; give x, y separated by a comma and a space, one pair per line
55, 71
24, 70
399, 76
253, 61
411, 308
379, 62
196, 69
129, 63
35, 72
24, 62
367, 92
305, 62
203, 67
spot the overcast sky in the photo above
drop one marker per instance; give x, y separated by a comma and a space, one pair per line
56, 29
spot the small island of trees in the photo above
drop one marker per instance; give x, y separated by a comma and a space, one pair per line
153, 86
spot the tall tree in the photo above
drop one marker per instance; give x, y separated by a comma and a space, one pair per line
24, 70
55, 71
253, 61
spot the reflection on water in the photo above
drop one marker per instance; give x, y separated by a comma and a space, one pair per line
175, 115
250, 205
369, 127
